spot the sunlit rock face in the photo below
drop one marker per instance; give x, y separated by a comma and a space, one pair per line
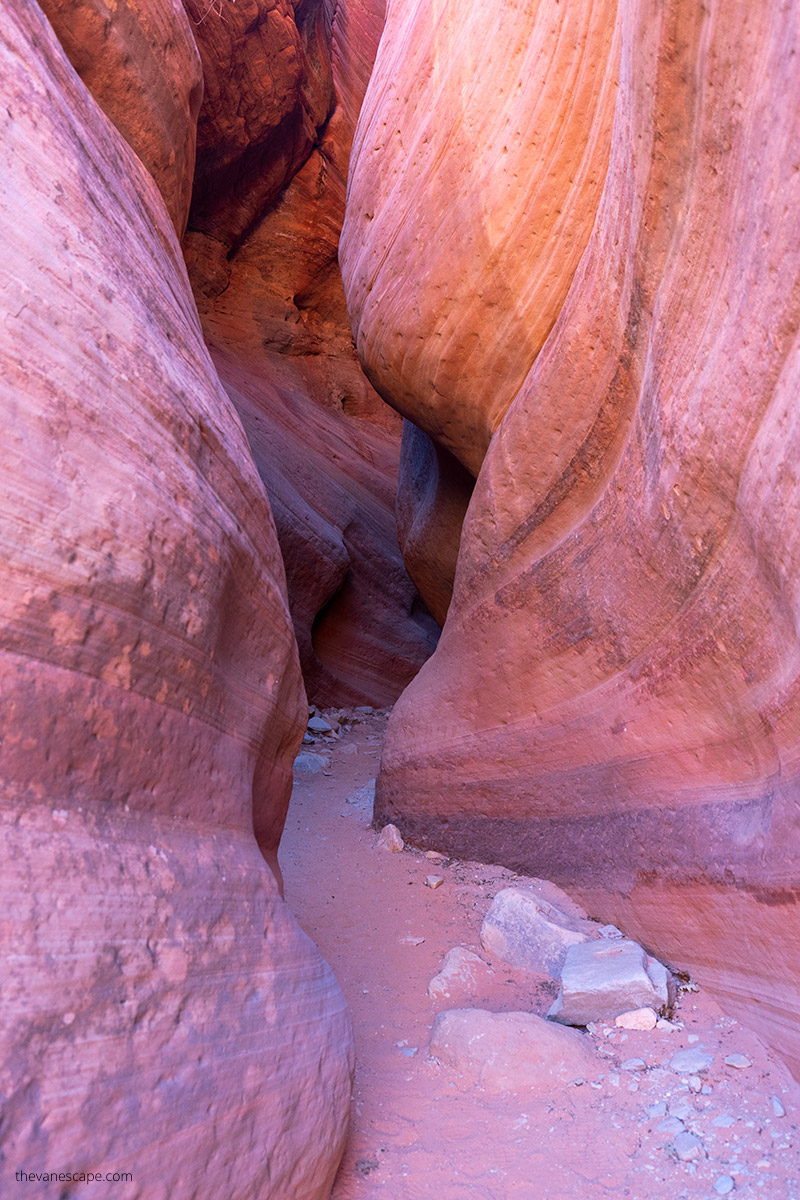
163, 1014
269, 290
139, 60
477, 166
614, 700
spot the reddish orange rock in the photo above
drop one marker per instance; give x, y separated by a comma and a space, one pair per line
139, 60
476, 171
614, 700
327, 447
163, 1014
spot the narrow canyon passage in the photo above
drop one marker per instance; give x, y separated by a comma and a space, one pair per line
420, 1129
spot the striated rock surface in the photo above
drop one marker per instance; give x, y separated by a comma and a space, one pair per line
268, 88
477, 166
614, 700
163, 1014
139, 60
270, 296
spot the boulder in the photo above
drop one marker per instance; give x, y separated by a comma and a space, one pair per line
524, 930
308, 763
602, 979
461, 971
510, 1052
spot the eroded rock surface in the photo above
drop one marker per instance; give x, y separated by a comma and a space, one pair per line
139, 60
477, 166
265, 273
614, 700
163, 1013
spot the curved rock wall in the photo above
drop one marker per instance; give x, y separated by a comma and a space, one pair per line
139, 60
476, 170
162, 1013
614, 700
274, 314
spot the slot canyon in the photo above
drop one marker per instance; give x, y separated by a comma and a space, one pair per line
400, 575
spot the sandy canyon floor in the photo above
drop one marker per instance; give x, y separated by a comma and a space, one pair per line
421, 1130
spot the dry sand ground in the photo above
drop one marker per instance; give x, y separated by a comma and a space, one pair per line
418, 1129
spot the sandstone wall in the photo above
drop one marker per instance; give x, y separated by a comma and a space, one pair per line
162, 1014
614, 700
266, 277
139, 60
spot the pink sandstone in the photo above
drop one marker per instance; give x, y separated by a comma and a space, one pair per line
162, 1011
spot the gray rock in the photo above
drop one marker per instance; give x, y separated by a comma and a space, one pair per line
366, 710
526, 931
602, 979
688, 1146
777, 1107
691, 1062
724, 1185
633, 1064
307, 763
659, 1109
508, 1052
724, 1121
670, 1126
740, 1061
319, 725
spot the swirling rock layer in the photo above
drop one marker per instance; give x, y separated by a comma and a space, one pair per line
476, 169
163, 1014
326, 445
614, 700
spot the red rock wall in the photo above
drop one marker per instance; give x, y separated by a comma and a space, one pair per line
139, 60
481, 147
614, 700
270, 295
162, 1013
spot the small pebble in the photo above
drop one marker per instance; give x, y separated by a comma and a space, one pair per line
411, 941
691, 1062
724, 1121
433, 881
706, 1090
657, 1110
692, 1038
409, 1051
433, 854
740, 1061
391, 839
777, 1107
638, 1018
665, 1025
634, 1064
688, 1146
671, 1125
724, 1185
695, 1083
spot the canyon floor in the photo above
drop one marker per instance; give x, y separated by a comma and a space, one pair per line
418, 1129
